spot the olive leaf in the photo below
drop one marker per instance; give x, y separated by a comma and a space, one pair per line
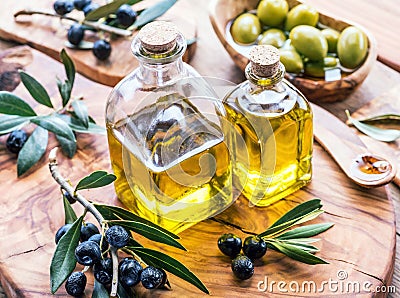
296, 253
148, 231
385, 118
74, 124
69, 67
306, 247
169, 264
70, 215
306, 231
32, 151
95, 179
105, 10
380, 134
300, 210
9, 123
65, 91
115, 213
153, 12
274, 230
68, 147
35, 89
56, 125
63, 261
81, 112
83, 45
123, 292
11, 104
99, 291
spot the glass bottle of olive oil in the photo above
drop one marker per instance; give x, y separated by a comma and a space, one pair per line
166, 136
273, 138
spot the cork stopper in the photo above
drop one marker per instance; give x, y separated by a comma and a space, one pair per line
158, 36
264, 60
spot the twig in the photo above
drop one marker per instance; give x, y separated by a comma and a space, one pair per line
94, 25
53, 166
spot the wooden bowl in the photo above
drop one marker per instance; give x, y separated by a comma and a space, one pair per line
316, 90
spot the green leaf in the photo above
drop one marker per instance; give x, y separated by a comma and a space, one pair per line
70, 215
296, 253
32, 151
385, 118
131, 2
83, 45
306, 231
11, 104
99, 291
300, 245
169, 264
380, 134
96, 179
35, 89
274, 230
65, 91
69, 67
105, 10
299, 210
75, 125
150, 232
68, 147
123, 292
55, 125
115, 213
8, 123
81, 112
153, 12
63, 262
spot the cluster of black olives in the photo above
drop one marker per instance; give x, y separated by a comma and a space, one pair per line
92, 251
125, 16
16, 140
253, 248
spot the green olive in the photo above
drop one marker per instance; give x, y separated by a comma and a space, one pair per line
272, 12
332, 37
317, 69
246, 28
273, 37
291, 60
309, 41
301, 14
352, 47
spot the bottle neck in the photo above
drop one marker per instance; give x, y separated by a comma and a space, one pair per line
265, 82
160, 74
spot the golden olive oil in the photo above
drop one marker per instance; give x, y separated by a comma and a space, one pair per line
276, 156
178, 193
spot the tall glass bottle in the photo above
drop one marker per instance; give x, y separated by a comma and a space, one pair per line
166, 136
274, 136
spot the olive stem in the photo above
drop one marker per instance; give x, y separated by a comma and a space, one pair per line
64, 184
139, 259
94, 25
114, 283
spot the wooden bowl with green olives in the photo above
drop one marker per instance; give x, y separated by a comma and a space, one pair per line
322, 59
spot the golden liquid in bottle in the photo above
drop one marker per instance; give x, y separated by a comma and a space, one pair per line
179, 194
277, 156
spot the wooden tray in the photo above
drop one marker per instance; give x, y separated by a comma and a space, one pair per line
48, 35
361, 244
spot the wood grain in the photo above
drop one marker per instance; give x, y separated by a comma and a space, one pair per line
31, 212
315, 89
48, 34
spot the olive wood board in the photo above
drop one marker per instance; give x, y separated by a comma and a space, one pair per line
361, 245
48, 35
387, 103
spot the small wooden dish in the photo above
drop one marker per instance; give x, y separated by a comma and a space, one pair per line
317, 90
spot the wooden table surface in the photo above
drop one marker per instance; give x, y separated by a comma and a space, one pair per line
214, 61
